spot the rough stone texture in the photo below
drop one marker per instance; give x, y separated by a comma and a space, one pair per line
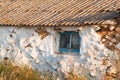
110, 37
24, 47
110, 34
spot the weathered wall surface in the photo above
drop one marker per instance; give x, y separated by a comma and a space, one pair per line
24, 46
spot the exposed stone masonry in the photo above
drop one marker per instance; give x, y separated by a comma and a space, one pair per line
110, 37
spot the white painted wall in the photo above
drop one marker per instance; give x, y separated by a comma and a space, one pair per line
41, 54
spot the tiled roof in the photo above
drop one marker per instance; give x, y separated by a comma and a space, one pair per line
57, 12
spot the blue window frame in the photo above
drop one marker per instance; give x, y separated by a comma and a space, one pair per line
69, 41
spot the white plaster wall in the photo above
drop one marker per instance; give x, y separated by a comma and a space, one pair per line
40, 54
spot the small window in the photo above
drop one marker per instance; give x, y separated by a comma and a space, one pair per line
69, 42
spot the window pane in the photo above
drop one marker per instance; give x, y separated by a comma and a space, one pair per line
69, 42
64, 40
75, 41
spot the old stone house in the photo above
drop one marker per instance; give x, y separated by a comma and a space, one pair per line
61, 35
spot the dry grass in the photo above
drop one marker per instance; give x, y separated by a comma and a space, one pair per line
72, 76
10, 72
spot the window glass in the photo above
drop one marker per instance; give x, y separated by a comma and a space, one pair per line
69, 42
64, 41
75, 41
